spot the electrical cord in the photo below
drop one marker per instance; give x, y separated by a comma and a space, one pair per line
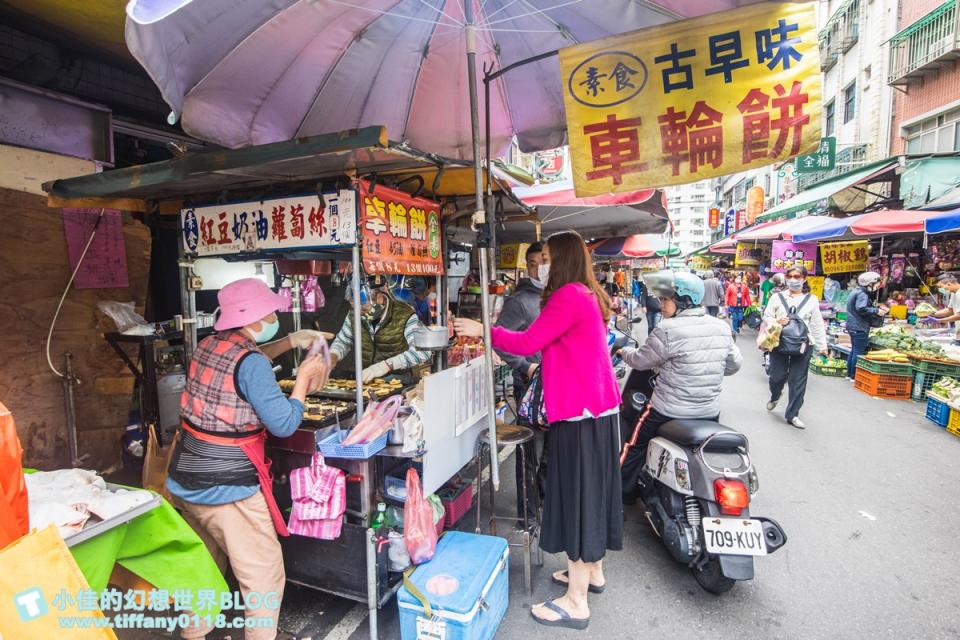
73, 275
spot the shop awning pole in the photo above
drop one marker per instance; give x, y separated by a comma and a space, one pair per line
357, 328
480, 218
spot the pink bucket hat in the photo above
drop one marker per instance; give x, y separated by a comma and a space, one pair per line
244, 302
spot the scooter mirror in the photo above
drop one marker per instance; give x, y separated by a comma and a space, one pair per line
638, 401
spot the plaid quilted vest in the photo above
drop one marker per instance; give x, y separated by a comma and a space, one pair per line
211, 400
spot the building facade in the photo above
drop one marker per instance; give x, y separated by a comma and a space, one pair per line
689, 206
923, 70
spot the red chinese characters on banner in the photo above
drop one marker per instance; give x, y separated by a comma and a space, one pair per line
401, 234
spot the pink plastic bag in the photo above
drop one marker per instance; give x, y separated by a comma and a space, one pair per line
319, 496
377, 420
419, 532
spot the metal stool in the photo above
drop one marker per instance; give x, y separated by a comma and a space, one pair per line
511, 434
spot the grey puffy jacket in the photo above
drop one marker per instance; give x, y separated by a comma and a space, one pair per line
693, 352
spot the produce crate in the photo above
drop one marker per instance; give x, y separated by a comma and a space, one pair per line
887, 368
825, 370
881, 385
939, 367
938, 411
332, 447
923, 382
953, 426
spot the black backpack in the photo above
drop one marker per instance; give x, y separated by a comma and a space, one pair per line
795, 336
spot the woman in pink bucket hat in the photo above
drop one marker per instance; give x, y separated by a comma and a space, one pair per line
219, 473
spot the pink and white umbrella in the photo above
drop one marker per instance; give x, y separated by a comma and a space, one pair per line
246, 72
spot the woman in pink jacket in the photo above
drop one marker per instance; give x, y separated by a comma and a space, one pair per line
582, 514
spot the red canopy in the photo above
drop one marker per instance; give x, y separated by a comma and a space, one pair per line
884, 221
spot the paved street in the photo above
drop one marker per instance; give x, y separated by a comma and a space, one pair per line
865, 493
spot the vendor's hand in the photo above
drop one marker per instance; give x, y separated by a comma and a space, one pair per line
376, 370
784, 321
823, 353
304, 339
313, 374
469, 328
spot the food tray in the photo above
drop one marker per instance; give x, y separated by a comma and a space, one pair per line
824, 370
887, 368
331, 447
938, 411
939, 367
882, 385
93, 530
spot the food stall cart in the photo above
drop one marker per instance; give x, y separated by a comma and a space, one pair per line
305, 201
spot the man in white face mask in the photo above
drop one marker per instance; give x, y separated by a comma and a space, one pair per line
519, 312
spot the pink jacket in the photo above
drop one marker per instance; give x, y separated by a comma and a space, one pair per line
572, 338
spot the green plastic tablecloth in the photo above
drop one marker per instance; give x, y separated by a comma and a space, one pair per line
159, 546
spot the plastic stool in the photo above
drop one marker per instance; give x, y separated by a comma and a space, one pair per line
507, 435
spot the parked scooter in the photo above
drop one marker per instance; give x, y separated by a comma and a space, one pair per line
696, 484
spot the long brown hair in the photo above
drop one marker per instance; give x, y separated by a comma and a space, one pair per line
570, 262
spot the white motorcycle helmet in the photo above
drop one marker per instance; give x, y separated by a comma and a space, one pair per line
868, 279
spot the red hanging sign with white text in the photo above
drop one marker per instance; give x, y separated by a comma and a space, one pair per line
401, 234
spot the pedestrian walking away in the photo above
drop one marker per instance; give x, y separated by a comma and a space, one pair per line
737, 300
802, 333
519, 312
713, 295
692, 351
861, 316
582, 513
651, 306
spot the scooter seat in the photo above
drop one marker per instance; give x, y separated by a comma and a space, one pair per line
693, 433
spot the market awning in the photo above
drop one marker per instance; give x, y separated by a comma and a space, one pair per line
559, 209
931, 180
876, 223
778, 230
726, 245
301, 162
943, 222
637, 246
830, 189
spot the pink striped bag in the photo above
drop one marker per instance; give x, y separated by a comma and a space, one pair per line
319, 495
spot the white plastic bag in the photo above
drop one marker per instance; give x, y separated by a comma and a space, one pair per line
125, 317
413, 428
397, 552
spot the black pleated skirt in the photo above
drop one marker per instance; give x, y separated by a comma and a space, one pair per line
582, 508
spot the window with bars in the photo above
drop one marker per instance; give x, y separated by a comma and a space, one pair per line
850, 102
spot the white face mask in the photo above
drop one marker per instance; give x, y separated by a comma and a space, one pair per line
795, 285
543, 273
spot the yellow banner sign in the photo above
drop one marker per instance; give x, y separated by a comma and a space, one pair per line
844, 257
700, 263
512, 256
751, 255
681, 102
816, 286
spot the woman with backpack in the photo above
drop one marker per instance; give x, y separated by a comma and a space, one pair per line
802, 332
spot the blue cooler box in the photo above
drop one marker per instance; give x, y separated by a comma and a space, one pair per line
475, 607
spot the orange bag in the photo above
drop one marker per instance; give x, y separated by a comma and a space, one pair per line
14, 516
419, 531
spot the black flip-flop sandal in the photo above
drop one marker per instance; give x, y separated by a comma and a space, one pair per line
565, 620
592, 588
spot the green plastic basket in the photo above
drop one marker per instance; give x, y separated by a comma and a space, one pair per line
923, 381
948, 369
885, 368
823, 370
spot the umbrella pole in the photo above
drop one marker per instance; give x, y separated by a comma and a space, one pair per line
480, 218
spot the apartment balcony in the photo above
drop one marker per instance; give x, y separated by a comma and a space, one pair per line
925, 46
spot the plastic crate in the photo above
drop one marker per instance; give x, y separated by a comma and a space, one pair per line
923, 382
331, 447
949, 369
938, 411
457, 501
953, 426
822, 370
881, 385
886, 368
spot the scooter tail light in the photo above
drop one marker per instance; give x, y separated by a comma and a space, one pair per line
732, 496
